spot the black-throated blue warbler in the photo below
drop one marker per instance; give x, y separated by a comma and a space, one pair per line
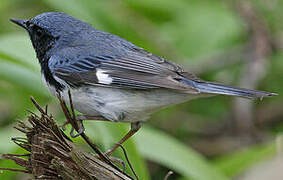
110, 78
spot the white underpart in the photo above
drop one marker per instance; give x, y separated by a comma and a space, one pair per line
51, 88
118, 104
102, 77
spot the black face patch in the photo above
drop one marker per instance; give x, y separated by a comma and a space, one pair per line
41, 40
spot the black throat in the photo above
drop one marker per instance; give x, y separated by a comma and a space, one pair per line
43, 47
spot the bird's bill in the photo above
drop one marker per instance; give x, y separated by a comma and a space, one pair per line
20, 22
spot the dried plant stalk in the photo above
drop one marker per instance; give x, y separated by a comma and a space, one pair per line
52, 155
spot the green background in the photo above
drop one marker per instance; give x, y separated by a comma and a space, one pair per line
210, 138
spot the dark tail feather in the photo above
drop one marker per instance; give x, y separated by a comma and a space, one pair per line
213, 88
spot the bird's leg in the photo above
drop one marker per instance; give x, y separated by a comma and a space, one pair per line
81, 130
134, 128
63, 126
85, 117
71, 118
80, 119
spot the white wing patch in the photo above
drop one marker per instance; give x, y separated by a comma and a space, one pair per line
102, 77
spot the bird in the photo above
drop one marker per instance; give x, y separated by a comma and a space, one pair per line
110, 78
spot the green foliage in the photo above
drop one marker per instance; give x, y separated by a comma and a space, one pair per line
178, 30
235, 163
166, 150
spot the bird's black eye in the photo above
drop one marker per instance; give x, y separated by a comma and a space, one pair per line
28, 23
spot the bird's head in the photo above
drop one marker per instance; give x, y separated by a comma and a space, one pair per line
52, 30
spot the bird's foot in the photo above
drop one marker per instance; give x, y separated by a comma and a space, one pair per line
80, 130
72, 134
79, 119
63, 126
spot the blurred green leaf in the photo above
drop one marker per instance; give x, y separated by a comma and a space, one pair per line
157, 11
182, 29
168, 151
237, 162
8, 133
17, 48
203, 28
22, 76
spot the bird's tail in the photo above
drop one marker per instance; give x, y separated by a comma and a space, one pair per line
214, 88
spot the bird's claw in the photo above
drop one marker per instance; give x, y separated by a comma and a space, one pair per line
80, 131
72, 133
63, 126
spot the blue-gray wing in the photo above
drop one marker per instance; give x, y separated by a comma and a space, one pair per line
138, 70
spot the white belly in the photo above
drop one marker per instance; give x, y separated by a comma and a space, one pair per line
121, 104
